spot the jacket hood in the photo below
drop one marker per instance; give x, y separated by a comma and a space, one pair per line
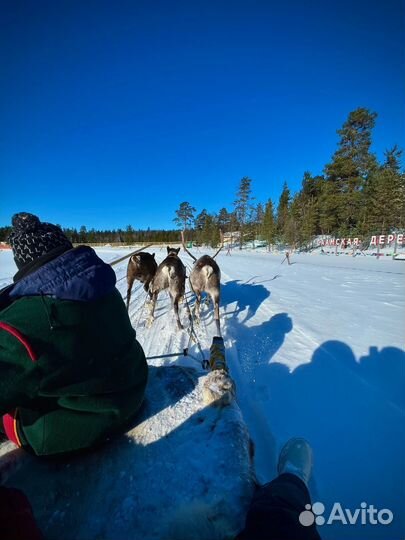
78, 274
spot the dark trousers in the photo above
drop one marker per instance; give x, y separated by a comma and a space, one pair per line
274, 511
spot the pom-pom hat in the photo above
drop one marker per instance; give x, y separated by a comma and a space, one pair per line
30, 238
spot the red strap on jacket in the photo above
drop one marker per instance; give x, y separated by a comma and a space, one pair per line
21, 338
9, 420
10, 427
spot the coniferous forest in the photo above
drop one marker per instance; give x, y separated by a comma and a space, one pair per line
355, 196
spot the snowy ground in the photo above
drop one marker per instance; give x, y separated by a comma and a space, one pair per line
316, 350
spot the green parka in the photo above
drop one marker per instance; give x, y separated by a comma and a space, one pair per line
71, 370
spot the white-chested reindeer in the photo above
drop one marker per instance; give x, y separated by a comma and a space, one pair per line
206, 277
171, 275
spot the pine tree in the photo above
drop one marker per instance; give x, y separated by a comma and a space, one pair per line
207, 230
385, 196
308, 221
83, 233
199, 225
92, 236
293, 221
184, 215
129, 234
224, 219
5, 233
258, 220
199, 221
329, 203
307, 214
243, 206
283, 212
269, 224
211, 231
351, 166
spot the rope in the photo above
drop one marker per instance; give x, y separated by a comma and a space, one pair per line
192, 333
169, 355
185, 352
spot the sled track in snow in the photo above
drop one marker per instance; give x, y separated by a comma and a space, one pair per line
164, 338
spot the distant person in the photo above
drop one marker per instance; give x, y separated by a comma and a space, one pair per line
287, 257
71, 371
274, 513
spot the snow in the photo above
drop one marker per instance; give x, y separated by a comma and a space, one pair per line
316, 350
7, 267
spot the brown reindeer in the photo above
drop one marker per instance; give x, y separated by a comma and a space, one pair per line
170, 274
142, 267
206, 277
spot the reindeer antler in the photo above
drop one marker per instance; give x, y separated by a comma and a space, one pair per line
184, 247
116, 261
222, 243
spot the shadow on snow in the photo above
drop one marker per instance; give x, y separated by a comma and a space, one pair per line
248, 296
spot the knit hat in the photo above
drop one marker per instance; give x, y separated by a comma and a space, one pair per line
30, 238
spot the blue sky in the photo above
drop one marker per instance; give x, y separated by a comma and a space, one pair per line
114, 112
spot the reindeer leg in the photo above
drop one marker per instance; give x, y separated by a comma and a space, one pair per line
148, 291
153, 296
176, 311
130, 282
197, 308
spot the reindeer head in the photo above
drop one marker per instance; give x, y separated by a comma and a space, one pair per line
172, 251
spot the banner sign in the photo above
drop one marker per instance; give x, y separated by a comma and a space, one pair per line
341, 242
383, 239
376, 240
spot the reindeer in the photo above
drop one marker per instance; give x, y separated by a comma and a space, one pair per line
206, 277
142, 267
170, 274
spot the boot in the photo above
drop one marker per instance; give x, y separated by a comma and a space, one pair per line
296, 458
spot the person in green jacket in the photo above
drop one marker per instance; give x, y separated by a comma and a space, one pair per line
72, 373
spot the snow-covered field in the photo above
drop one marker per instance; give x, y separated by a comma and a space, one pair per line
316, 350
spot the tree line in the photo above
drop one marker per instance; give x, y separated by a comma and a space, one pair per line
355, 195
125, 236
